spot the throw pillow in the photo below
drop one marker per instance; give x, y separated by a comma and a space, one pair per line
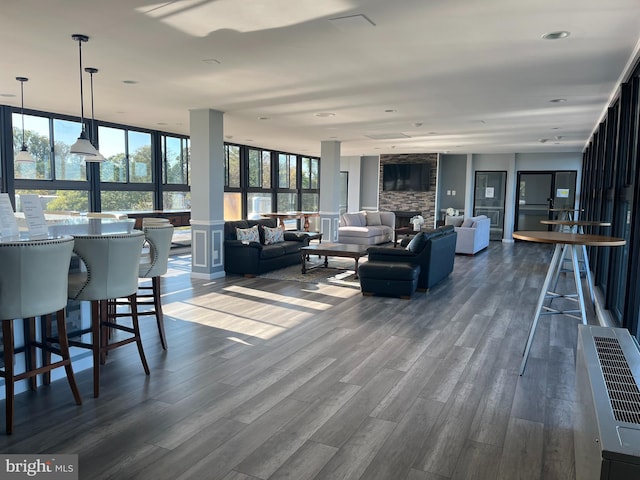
373, 218
273, 235
468, 222
417, 243
351, 220
248, 234
456, 220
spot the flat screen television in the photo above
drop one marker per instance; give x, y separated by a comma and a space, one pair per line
412, 177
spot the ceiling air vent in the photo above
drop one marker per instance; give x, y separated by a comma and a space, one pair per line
387, 136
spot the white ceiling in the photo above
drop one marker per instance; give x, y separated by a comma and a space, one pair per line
457, 76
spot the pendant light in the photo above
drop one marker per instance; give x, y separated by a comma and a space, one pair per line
23, 156
83, 145
99, 157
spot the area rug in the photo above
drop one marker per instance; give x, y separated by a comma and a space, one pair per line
341, 271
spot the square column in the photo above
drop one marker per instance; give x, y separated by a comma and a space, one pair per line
329, 190
207, 193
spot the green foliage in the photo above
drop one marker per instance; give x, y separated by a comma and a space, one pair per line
119, 201
74, 200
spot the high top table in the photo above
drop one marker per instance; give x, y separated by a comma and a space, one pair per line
578, 225
566, 213
565, 243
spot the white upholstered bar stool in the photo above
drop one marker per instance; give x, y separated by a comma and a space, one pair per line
153, 266
112, 272
151, 221
33, 283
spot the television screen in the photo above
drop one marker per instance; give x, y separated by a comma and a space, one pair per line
413, 177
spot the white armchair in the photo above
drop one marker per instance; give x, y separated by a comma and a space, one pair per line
473, 235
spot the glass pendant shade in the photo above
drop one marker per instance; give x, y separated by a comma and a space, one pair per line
23, 156
83, 146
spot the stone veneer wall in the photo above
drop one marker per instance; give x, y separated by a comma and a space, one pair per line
424, 202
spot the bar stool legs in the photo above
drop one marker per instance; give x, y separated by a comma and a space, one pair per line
155, 299
32, 370
103, 315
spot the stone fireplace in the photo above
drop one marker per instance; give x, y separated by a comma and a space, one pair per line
407, 204
403, 217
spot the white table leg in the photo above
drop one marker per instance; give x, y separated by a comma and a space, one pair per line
576, 277
553, 266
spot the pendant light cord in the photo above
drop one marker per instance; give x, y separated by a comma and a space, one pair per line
22, 108
81, 91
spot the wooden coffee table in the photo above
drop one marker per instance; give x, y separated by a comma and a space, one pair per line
345, 250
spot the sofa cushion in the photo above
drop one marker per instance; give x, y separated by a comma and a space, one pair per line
354, 219
418, 242
456, 221
272, 251
273, 235
358, 231
248, 234
291, 246
468, 222
373, 218
230, 228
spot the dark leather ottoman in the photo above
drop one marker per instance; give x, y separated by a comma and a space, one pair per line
391, 279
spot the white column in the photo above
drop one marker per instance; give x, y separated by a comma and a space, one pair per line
329, 189
207, 193
469, 187
510, 201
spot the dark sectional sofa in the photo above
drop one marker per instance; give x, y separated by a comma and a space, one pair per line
253, 258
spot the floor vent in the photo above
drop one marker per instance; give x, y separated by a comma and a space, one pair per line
623, 391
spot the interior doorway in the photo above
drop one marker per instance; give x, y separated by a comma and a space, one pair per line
541, 192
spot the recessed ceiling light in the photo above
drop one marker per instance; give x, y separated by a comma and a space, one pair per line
417, 124
211, 61
263, 118
556, 35
7, 95
559, 137
543, 140
558, 100
162, 123
390, 110
325, 114
130, 82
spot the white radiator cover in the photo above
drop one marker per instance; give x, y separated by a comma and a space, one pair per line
607, 414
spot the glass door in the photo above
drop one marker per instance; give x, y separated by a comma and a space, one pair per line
541, 195
489, 198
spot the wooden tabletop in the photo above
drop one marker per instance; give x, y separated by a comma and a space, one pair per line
579, 223
569, 238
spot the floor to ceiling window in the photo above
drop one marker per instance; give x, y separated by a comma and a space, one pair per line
610, 193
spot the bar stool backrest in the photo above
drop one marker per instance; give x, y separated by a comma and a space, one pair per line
112, 266
33, 277
150, 221
159, 238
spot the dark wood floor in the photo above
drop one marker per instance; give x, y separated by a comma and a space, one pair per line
270, 379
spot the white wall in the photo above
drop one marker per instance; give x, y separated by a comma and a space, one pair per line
363, 182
